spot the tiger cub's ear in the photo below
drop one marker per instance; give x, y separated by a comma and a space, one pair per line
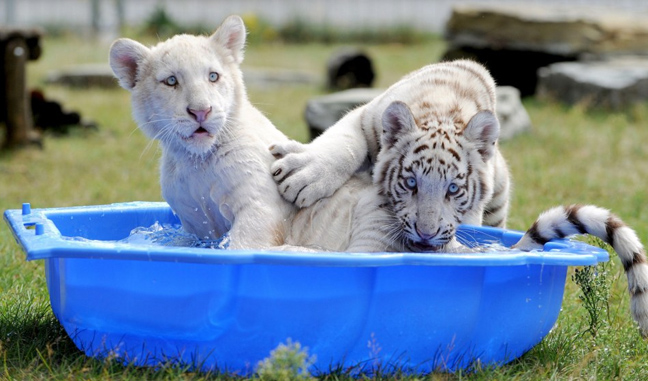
397, 119
483, 130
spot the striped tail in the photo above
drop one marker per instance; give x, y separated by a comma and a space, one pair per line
563, 221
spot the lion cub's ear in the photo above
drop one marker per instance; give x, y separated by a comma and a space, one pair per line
125, 56
231, 35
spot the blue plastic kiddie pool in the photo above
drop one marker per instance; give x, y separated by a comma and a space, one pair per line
227, 309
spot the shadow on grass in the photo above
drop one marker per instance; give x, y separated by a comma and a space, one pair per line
30, 334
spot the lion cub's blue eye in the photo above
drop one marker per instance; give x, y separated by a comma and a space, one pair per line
453, 189
171, 81
410, 183
213, 76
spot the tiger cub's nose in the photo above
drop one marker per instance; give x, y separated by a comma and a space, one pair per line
199, 115
425, 235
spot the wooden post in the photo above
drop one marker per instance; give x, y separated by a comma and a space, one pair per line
17, 46
18, 113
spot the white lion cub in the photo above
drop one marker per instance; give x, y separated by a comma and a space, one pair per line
188, 93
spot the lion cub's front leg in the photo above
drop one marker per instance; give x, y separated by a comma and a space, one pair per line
306, 173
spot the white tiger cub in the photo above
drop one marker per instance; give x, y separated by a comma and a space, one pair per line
424, 183
564, 221
437, 133
380, 215
188, 93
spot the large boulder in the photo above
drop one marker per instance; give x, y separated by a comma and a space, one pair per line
323, 112
614, 83
515, 40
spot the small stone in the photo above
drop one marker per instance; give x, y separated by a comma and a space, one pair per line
348, 69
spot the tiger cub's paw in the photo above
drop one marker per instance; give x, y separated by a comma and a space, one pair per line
300, 174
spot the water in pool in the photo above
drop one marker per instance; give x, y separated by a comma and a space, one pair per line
164, 234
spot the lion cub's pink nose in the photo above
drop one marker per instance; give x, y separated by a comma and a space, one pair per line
199, 115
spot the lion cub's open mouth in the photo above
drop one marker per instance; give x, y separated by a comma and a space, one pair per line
200, 131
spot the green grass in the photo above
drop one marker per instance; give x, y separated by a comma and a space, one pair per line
572, 155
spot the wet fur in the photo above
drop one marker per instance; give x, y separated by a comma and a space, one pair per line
214, 170
437, 125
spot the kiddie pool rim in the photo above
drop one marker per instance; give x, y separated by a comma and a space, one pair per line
392, 285
41, 239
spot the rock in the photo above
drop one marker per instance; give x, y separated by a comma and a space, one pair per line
511, 113
613, 83
348, 69
518, 69
100, 75
323, 112
515, 40
555, 29
263, 77
84, 76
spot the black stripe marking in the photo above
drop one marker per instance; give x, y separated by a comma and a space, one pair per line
558, 233
535, 235
455, 154
611, 226
637, 259
573, 219
421, 148
498, 224
383, 173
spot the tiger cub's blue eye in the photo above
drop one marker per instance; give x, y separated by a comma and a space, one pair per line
213, 76
453, 189
410, 183
171, 81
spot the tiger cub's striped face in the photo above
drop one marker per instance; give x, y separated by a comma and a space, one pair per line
433, 176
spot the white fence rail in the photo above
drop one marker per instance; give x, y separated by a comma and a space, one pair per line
422, 14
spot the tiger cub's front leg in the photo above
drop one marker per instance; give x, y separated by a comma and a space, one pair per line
306, 173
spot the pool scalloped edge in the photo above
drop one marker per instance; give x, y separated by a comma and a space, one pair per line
228, 309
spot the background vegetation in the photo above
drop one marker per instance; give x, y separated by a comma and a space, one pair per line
572, 155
